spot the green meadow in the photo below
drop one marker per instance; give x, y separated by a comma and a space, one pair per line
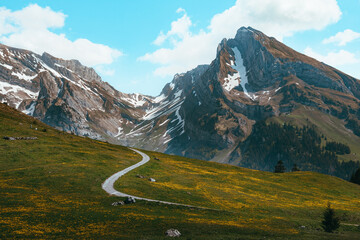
51, 189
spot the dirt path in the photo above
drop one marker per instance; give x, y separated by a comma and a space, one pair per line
108, 185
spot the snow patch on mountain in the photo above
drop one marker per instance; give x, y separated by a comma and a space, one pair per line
172, 85
165, 107
30, 110
164, 122
6, 66
47, 68
136, 99
120, 131
159, 98
23, 76
231, 81
6, 89
178, 94
138, 131
239, 77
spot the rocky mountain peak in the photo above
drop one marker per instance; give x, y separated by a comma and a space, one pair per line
204, 113
184, 81
86, 73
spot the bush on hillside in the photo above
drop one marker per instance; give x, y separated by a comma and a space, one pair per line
279, 168
355, 178
330, 222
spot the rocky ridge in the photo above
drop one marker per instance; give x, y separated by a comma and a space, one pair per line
66, 94
205, 113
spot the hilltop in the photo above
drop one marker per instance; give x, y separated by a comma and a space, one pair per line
51, 188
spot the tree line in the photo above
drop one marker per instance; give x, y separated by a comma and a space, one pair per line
270, 143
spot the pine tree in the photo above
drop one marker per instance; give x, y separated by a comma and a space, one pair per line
355, 178
279, 168
330, 222
295, 168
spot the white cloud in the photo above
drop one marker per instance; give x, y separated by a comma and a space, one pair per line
278, 18
30, 28
342, 38
335, 59
104, 70
179, 30
179, 10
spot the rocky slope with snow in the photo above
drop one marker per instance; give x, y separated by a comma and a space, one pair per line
205, 113
254, 77
66, 95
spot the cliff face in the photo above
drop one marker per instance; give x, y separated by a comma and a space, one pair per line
204, 113
255, 77
65, 94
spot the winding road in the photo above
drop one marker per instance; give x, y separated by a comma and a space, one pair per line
108, 185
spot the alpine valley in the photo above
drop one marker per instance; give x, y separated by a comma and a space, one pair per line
257, 102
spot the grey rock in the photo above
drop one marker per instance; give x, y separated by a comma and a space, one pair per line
129, 200
19, 138
117, 203
172, 233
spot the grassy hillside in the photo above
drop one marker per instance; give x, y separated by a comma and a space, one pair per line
51, 188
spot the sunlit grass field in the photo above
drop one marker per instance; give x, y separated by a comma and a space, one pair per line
50, 188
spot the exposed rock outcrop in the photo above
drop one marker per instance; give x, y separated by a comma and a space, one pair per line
204, 113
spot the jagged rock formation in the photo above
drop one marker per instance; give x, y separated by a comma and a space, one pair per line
255, 77
65, 94
205, 113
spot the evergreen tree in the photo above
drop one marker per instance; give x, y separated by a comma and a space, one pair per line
295, 168
279, 168
330, 222
355, 178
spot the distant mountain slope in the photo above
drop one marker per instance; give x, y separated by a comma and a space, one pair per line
51, 189
66, 94
254, 78
205, 113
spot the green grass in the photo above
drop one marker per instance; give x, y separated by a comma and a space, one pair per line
51, 189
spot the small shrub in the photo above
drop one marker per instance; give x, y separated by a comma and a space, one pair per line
330, 222
279, 168
355, 178
295, 168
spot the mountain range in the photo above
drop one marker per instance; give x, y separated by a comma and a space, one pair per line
212, 112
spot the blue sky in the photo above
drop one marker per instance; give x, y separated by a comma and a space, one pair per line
137, 46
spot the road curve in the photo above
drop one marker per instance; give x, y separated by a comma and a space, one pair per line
108, 185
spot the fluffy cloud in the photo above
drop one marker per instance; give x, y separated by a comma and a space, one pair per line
104, 70
336, 59
278, 18
342, 38
179, 30
29, 28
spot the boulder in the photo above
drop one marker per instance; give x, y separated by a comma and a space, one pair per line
117, 203
19, 138
172, 233
129, 200
9, 138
